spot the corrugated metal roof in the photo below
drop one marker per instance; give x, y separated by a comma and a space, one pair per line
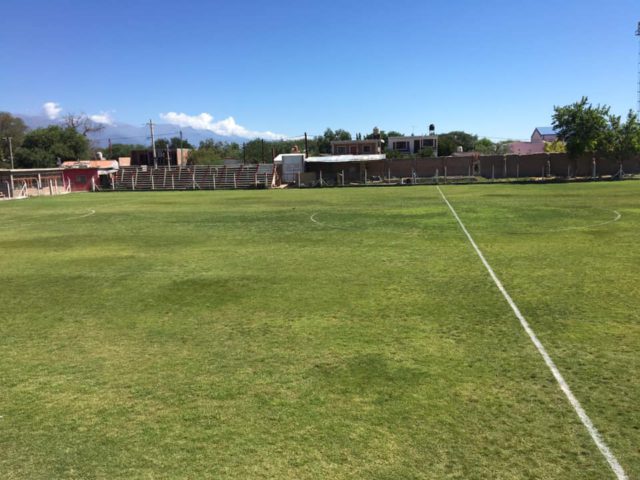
279, 158
345, 158
91, 164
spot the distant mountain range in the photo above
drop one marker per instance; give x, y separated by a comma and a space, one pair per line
124, 133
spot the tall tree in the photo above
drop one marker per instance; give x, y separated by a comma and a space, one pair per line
211, 152
384, 136
449, 142
81, 123
487, 147
175, 143
10, 127
122, 150
43, 147
581, 126
622, 139
162, 144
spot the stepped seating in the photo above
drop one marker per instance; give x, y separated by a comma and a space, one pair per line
195, 177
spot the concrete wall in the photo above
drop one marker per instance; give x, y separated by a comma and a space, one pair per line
487, 166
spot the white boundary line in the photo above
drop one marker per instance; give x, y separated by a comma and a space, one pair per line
318, 222
312, 217
617, 217
595, 435
13, 224
88, 214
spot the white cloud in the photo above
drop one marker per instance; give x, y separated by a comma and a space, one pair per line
52, 110
227, 127
102, 117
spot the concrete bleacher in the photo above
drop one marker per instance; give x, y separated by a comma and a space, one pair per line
195, 177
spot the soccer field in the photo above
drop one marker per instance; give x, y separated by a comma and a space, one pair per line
326, 333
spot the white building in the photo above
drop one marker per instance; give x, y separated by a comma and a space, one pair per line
413, 144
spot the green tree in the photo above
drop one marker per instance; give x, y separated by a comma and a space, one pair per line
322, 144
485, 146
341, 134
43, 147
449, 142
211, 152
557, 146
426, 152
622, 139
14, 128
82, 124
175, 143
162, 144
384, 136
446, 146
582, 126
121, 150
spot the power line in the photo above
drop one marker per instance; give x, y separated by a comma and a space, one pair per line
146, 137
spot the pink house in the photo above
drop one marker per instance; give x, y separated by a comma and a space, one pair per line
539, 137
526, 148
544, 134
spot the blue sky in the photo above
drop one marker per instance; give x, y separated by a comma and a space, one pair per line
495, 68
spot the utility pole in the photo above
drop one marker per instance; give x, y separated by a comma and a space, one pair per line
153, 145
262, 144
244, 153
110, 150
168, 155
181, 152
8, 139
306, 146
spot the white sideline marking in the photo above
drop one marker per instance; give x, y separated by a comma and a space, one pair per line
595, 435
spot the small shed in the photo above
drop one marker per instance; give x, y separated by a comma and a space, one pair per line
89, 175
292, 165
346, 168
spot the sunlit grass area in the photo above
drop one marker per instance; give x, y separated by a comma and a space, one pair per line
327, 333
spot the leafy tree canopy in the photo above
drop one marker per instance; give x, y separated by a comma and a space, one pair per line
623, 138
42, 147
211, 152
449, 142
581, 126
487, 147
585, 128
555, 147
82, 124
175, 143
13, 127
122, 150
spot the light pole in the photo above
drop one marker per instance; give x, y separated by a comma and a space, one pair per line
8, 139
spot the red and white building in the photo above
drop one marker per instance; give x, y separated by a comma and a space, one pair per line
89, 175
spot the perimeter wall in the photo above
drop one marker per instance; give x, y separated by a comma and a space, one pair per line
487, 166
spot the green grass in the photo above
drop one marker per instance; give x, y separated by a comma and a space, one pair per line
227, 335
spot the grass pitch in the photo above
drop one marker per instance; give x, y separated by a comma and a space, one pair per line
335, 333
